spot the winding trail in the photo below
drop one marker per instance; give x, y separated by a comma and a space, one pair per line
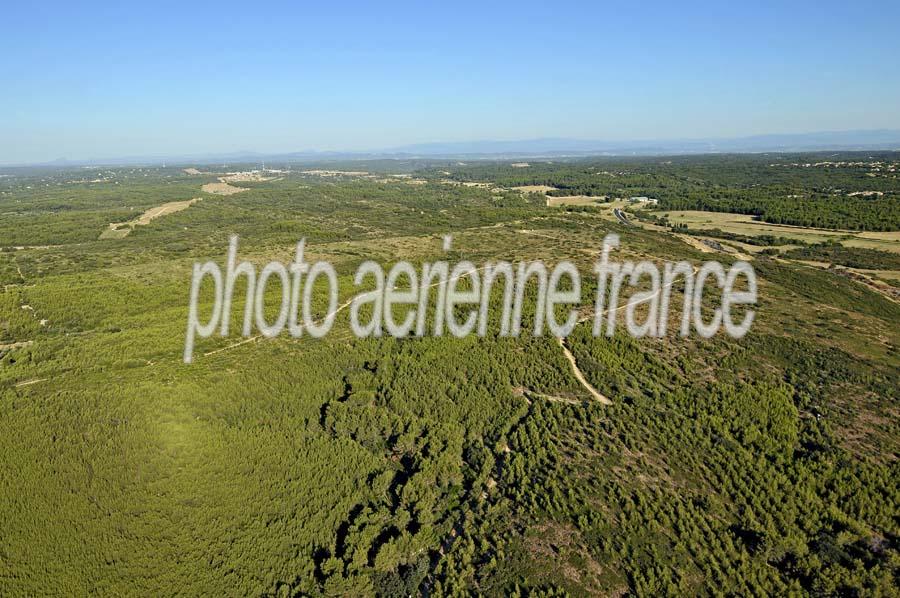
579, 375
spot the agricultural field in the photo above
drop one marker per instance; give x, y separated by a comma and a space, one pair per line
741, 224
441, 466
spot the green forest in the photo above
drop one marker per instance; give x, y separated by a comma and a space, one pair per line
443, 466
834, 191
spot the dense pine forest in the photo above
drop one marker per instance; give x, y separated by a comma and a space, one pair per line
837, 191
441, 466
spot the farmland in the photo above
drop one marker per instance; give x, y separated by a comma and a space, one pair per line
741, 224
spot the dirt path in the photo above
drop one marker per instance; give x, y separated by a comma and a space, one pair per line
30, 382
17, 345
552, 398
165, 209
243, 342
695, 243
579, 375
119, 230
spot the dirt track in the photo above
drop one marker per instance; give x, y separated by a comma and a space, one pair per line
118, 230
579, 376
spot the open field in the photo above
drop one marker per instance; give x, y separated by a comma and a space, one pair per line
885, 241
746, 225
575, 200
884, 274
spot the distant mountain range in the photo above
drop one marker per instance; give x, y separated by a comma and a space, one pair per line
822, 141
859, 140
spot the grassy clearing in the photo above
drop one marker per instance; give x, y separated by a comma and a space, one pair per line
575, 200
885, 274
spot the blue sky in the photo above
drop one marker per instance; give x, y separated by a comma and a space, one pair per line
87, 80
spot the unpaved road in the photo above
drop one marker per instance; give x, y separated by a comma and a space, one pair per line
580, 376
164, 209
18, 345
30, 382
576, 370
118, 230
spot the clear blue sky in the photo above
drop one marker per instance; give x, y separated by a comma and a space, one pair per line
88, 80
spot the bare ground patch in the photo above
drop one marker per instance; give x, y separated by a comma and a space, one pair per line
562, 552
18, 345
221, 188
534, 188
251, 176
119, 230
696, 243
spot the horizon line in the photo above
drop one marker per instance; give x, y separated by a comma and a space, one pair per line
590, 147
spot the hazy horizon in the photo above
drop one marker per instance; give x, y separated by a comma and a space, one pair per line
812, 141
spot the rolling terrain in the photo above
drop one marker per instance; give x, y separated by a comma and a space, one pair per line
445, 466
